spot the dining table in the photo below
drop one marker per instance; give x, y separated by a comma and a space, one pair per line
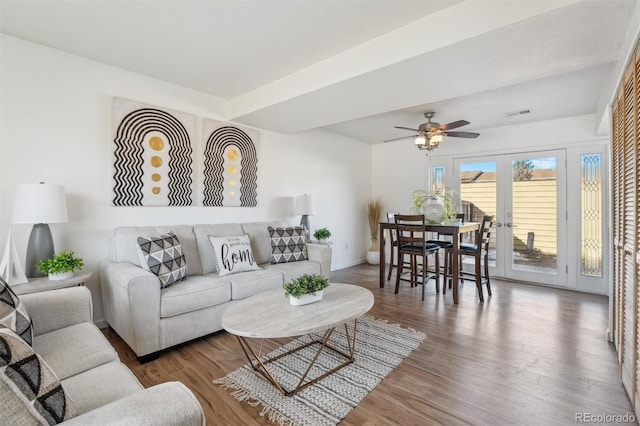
455, 229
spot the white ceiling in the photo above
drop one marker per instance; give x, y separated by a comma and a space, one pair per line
356, 67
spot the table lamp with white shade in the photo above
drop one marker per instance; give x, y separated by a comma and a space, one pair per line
305, 205
40, 204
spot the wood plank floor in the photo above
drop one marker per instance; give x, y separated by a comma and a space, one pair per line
529, 355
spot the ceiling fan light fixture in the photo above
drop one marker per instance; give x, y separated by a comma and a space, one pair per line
420, 141
434, 141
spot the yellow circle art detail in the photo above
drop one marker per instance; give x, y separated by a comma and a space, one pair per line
155, 177
232, 182
233, 170
156, 143
156, 190
232, 193
156, 161
232, 155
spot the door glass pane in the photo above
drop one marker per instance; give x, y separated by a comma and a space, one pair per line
478, 196
534, 214
438, 186
591, 177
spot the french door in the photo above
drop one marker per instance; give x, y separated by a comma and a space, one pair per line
526, 195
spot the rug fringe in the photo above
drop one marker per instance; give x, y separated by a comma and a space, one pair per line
242, 395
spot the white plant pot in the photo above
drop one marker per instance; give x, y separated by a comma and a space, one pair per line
61, 276
373, 257
305, 299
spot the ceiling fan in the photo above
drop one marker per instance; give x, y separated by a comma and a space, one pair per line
430, 133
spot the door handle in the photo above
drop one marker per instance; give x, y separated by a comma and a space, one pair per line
509, 225
498, 224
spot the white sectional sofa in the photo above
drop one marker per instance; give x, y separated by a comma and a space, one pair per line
102, 390
151, 319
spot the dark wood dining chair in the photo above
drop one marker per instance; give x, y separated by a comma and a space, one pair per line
412, 242
444, 242
480, 253
393, 243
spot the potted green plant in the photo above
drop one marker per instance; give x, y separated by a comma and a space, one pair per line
305, 289
322, 234
61, 265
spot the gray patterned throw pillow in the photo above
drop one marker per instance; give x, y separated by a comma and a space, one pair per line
163, 256
28, 386
13, 314
288, 244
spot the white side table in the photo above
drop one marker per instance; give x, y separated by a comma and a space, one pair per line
36, 285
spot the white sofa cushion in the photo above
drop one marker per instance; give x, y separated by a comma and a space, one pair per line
72, 350
194, 293
260, 238
245, 284
202, 232
100, 386
293, 270
124, 246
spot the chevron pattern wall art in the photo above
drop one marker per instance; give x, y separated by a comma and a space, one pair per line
153, 155
230, 166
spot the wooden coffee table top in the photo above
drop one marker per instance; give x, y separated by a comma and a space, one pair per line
270, 315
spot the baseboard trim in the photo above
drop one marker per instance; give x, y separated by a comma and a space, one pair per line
349, 264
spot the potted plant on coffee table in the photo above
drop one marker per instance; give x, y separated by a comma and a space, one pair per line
61, 265
305, 289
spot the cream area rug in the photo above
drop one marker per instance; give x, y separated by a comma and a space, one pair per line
380, 347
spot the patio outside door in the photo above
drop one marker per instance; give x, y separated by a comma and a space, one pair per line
526, 194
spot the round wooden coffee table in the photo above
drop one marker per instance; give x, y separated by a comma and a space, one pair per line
269, 315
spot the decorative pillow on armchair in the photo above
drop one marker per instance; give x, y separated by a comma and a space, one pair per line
163, 256
288, 244
13, 314
26, 378
233, 254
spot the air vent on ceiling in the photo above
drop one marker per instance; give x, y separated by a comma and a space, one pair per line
515, 113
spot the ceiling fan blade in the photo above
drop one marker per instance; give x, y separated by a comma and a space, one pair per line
397, 139
454, 125
406, 128
469, 135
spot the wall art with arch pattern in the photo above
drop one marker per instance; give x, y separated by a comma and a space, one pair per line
230, 174
153, 156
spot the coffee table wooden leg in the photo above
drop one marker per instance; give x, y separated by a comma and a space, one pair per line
260, 365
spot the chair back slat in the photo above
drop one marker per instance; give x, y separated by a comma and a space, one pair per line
485, 233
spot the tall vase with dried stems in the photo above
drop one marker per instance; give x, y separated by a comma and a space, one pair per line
373, 212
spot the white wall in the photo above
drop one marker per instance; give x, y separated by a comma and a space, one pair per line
55, 127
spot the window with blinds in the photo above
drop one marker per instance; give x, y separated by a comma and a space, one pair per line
625, 156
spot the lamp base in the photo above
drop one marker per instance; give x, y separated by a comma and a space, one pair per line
40, 247
304, 222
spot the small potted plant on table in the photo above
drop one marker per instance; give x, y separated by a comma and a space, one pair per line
61, 265
305, 289
322, 235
